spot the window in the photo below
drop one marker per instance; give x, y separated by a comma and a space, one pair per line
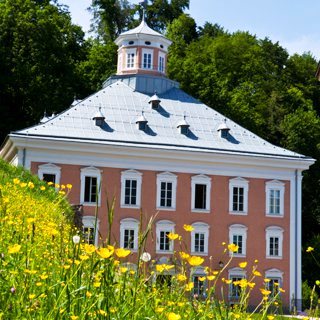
238, 196
131, 188
275, 277
238, 236
274, 239
161, 66
131, 55
199, 282
90, 230
90, 186
164, 244
200, 190
199, 238
129, 229
49, 173
275, 198
235, 275
147, 56
166, 191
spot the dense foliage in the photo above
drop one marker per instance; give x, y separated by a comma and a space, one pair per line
45, 62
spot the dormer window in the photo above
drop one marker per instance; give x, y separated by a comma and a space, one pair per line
142, 122
223, 129
99, 118
183, 126
155, 101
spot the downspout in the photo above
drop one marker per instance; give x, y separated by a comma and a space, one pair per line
23, 157
297, 305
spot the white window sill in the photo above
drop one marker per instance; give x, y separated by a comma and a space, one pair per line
201, 210
164, 252
274, 257
274, 215
199, 253
129, 206
91, 204
166, 209
238, 255
238, 213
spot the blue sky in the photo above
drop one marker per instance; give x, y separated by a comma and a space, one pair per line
294, 23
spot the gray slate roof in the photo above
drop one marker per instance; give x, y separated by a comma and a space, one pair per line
121, 104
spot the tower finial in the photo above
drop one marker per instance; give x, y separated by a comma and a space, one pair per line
143, 4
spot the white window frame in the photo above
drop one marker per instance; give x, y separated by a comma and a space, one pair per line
129, 224
239, 229
164, 226
171, 178
235, 273
239, 183
205, 180
199, 272
90, 222
200, 227
147, 51
162, 56
279, 186
131, 175
49, 168
274, 232
94, 173
130, 52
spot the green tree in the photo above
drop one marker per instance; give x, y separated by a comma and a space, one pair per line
39, 50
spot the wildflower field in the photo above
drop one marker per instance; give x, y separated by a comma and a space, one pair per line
47, 272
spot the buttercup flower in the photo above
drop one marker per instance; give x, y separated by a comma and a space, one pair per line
243, 264
14, 249
188, 228
172, 236
195, 261
89, 248
173, 316
189, 286
164, 267
104, 253
310, 249
181, 277
232, 247
122, 253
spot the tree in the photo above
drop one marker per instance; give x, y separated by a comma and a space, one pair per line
39, 50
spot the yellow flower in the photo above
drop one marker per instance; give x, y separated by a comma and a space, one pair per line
181, 277
257, 273
232, 247
14, 249
172, 236
88, 294
256, 261
243, 264
69, 186
104, 253
43, 277
270, 317
30, 185
123, 269
113, 310
189, 286
227, 281
102, 312
210, 278
89, 248
188, 228
23, 184
31, 296
38, 284
163, 267
173, 316
16, 181
42, 188
83, 257
265, 292
122, 253
159, 309
266, 280
282, 290
74, 317
202, 279
30, 220
195, 261
310, 249
97, 284
184, 255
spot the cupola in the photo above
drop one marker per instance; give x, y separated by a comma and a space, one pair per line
142, 51
154, 101
142, 122
183, 126
99, 118
223, 129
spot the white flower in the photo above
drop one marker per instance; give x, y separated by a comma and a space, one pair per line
145, 257
76, 239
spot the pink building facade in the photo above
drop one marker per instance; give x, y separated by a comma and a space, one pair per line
158, 151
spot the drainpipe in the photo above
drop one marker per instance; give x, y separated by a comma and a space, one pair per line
23, 157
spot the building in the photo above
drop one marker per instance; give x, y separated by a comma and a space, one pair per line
154, 148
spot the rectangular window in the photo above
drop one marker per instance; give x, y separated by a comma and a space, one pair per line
199, 242
90, 189
166, 194
198, 286
274, 201
200, 196
238, 240
147, 60
130, 60
128, 241
238, 199
130, 197
49, 177
161, 64
88, 235
164, 244
274, 246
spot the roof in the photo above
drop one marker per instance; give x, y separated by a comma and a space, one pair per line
121, 104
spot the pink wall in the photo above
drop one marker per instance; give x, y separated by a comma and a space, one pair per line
219, 218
